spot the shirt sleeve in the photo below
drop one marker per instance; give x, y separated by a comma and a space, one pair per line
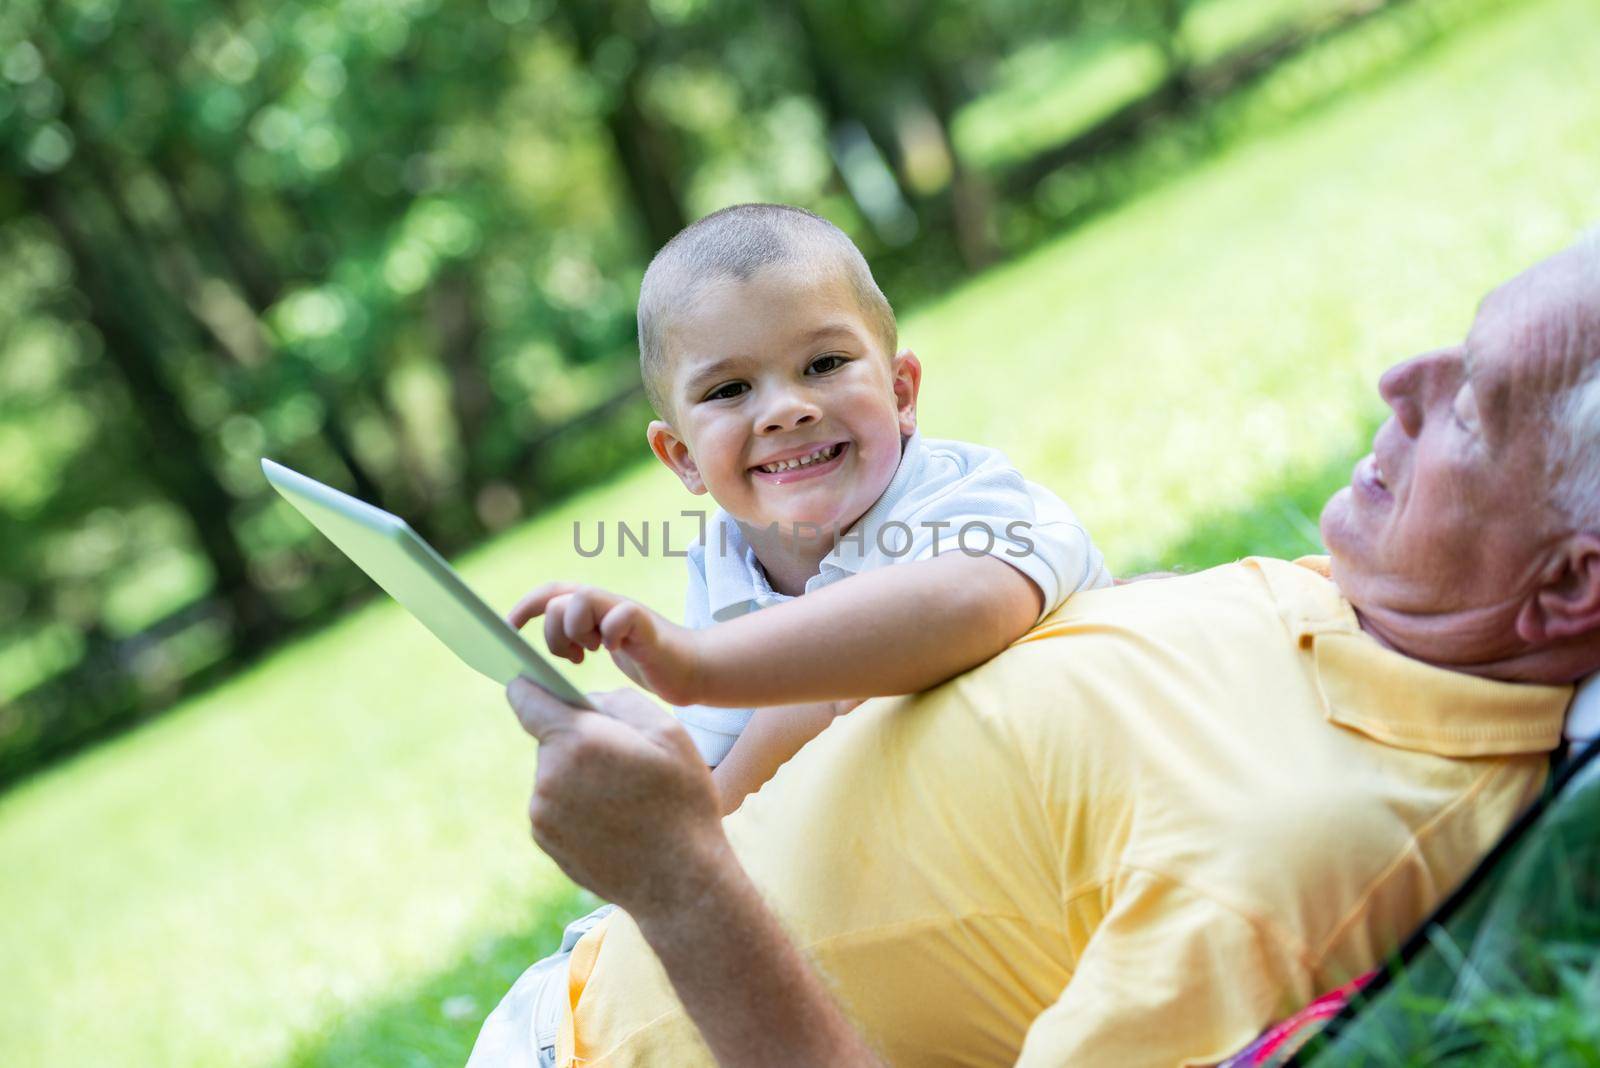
1170, 978
994, 511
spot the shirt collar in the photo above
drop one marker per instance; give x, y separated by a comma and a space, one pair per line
857, 543
736, 583
1395, 699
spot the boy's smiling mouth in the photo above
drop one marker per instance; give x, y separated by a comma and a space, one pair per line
797, 464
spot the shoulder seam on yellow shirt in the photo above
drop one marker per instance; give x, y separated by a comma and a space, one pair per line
1265, 924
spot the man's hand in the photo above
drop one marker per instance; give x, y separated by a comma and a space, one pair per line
652, 651
626, 808
622, 802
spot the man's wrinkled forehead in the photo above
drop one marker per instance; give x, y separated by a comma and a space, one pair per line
1538, 333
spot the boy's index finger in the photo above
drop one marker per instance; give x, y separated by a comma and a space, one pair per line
622, 621
533, 604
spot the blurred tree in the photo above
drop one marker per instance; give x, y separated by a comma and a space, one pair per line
171, 444
614, 42
900, 73
1161, 23
271, 216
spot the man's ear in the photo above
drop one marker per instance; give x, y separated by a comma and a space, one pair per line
1567, 602
907, 370
671, 450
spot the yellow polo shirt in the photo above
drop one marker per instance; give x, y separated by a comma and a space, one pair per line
1170, 813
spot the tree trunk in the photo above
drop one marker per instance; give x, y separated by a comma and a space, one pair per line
971, 201
174, 450
830, 85
1174, 53
458, 328
645, 149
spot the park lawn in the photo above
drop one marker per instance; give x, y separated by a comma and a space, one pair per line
325, 861
1057, 89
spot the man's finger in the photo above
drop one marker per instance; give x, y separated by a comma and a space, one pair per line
533, 604
540, 712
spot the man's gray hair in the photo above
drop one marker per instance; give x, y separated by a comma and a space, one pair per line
735, 243
1575, 421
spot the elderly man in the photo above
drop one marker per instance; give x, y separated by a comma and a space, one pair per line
1171, 812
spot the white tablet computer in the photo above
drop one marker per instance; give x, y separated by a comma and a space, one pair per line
414, 574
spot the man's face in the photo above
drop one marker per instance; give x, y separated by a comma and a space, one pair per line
779, 368
1450, 515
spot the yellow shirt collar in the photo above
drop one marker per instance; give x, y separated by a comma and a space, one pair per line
1399, 701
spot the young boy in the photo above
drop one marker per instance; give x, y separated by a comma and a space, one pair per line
769, 354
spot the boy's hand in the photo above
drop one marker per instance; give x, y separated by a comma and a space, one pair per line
652, 651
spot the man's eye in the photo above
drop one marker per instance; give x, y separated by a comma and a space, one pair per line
726, 391
831, 362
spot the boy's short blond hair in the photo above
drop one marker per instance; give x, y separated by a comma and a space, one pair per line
735, 243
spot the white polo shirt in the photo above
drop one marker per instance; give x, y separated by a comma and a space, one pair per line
945, 495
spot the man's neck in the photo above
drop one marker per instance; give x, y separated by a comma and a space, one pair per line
1473, 644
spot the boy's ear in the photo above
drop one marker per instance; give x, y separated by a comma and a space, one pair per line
907, 370
1567, 601
670, 450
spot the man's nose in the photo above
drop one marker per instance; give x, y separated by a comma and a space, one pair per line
1408, 387
788, 409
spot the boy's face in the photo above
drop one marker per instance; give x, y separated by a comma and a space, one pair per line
780, 367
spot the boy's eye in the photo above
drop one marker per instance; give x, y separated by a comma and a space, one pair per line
830, 362
727, 390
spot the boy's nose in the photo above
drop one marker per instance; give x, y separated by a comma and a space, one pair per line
799, 420
787, 413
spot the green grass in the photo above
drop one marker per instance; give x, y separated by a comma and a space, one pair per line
1050, 92
326, 861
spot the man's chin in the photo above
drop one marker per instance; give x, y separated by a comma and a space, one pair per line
1336, 521
1341, 538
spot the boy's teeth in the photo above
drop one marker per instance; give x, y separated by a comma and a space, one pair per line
801, 461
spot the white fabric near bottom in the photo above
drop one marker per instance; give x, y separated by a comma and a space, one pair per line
1583, 718
521, 1031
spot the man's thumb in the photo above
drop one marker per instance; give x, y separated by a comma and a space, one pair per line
539, 712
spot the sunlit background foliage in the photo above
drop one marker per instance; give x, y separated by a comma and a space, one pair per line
396, 244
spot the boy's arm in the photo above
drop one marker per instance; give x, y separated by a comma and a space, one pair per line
771, 738
894, 630
890, 631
